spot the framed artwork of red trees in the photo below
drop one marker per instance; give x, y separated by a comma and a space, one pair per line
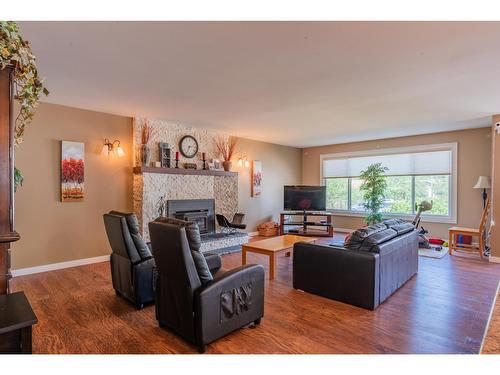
72, 171
256, 178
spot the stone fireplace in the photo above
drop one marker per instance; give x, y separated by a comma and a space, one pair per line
149, 187
191, 195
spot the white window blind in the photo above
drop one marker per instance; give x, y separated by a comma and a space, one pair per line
416, 163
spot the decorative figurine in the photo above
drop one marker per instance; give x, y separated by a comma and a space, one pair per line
164, 150
161, 206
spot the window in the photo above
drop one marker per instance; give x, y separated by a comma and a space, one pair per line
414, 174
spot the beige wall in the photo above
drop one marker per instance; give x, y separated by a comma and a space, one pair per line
281, 166
52, 231
474, 159
495, 230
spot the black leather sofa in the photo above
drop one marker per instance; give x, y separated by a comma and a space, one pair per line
374, 262
196, 305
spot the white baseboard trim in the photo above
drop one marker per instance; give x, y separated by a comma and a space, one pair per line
494, 259
59, 266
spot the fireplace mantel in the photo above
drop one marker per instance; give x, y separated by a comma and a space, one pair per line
197, 172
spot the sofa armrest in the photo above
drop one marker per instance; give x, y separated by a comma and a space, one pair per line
228, 302
143, 281
337, 273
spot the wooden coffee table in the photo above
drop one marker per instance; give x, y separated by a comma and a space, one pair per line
271, 247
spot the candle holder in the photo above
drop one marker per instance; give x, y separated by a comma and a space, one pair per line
177, 160
204, 162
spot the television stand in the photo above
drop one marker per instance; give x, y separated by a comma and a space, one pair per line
306, 226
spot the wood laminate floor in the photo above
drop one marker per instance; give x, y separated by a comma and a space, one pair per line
491, 343
443, 309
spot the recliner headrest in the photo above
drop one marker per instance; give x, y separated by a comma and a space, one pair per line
192, 230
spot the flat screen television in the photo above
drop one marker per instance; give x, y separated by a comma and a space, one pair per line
305, 198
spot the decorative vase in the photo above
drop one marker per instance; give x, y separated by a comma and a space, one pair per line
227, 165
145, 155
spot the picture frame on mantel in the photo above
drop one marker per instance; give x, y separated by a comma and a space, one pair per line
256, 190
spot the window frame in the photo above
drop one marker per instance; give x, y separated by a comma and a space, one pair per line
451, 218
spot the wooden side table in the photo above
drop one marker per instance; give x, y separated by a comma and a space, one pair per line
16, 320
271, 247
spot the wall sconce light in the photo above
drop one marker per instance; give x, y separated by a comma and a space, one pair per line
112, 147
243, 160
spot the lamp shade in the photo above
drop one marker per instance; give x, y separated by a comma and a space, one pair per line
105, 150
483, 182
119, 152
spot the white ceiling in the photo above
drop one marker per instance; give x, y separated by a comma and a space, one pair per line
292, 83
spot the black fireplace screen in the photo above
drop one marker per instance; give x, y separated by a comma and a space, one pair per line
200, 211
199, 217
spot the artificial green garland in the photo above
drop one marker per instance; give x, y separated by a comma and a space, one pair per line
28, 87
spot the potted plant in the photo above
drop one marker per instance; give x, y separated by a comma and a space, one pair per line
226, 147
373, 189
28, 86
145, 149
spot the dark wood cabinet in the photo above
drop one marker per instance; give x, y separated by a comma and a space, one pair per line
7, 233
16, 320
16, 315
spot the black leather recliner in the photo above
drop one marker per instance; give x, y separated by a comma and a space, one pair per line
132, 263
201, 313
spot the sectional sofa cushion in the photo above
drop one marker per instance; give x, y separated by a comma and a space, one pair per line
366, 239
355, 240
370, 242
399, 226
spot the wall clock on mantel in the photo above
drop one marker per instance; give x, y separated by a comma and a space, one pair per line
188, 146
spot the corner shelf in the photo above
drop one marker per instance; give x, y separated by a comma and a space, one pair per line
197, 172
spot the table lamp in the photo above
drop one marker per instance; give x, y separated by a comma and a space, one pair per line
483, 182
